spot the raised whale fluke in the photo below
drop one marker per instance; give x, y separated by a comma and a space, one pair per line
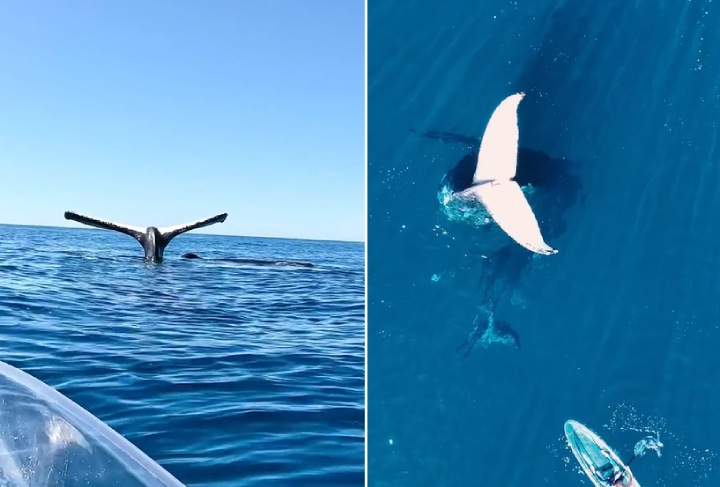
493, 183
154, 240
135, 232
174, 231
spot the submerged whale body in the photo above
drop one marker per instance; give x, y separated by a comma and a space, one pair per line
192, 255
153, 240
494, 184
487, 332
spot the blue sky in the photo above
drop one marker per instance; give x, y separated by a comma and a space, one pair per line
162, 112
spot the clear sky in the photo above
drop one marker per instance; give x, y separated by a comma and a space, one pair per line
161, 112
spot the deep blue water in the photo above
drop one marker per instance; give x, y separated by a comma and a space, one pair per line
226, 375
619, 330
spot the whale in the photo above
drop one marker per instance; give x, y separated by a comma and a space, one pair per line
259, 262
154, 240
493, 183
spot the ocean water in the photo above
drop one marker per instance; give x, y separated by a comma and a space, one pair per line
225, 374
620, 157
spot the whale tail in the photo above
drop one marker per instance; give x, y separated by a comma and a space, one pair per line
503, 333
493, 182
154, 240
497, 158
509, 208
169, 233
489, 332
135, 232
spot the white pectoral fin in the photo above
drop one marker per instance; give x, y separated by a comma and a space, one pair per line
170, 232
508, 206
497, 158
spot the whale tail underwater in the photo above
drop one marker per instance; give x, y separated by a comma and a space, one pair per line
154, 240
488, 330
493, 181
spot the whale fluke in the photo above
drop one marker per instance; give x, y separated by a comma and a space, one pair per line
152, 239
174, 231
135, 232
487, 332
493, 183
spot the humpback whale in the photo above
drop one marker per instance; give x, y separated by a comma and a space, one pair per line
493, 182
154, 240
260, 262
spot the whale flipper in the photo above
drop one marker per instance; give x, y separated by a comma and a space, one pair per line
135, 232
493, 183
168, 233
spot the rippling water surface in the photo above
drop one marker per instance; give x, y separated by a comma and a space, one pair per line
225, 374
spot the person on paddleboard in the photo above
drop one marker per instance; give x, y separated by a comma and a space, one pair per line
619, 477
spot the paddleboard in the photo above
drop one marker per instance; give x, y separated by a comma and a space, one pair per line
588, 448
47, 439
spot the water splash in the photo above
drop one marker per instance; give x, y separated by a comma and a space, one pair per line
456, 208
688, 465
685, 465
648, 443
61, 434
467, 210
626, 418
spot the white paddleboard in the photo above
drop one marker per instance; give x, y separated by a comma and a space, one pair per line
588, 448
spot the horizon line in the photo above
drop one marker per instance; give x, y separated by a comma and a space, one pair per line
193, 233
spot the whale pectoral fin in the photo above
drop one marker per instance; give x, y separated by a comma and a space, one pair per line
135, 232
168, 233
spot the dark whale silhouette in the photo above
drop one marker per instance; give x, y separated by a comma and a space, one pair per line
487, 332
192, 255
154, 240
